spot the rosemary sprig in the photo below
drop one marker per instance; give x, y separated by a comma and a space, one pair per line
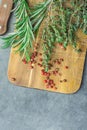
23, 35
26, 26
38, 13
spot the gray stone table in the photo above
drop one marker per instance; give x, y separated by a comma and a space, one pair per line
30, 109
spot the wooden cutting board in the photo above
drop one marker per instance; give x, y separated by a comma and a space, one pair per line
70, 68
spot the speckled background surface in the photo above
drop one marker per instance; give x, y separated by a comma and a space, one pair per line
30, 109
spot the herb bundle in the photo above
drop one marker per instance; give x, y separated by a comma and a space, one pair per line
62, 23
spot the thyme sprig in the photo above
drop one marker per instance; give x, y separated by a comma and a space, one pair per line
84, 14
63, 26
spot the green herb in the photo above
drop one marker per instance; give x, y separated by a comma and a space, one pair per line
23, 35
61, 24
62, 27
38, 13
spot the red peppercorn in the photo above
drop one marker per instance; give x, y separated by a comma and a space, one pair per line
43, 73
55, 88
65, 80
51, 86
58, 62
66, 67
35, 53
39, 65
24, 61
33, 56
32, 67
41, 59
40, 54
61, 45
47, 86
42, 70
61, 59
45, 81
13, 79
47, 77
32, 59
48, 74
51, 81
54, 72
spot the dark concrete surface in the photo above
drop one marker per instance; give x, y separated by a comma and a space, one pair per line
30, 109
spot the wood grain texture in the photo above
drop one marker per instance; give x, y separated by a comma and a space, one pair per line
5, 10
21, 75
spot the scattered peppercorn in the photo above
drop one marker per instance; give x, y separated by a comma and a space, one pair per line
66, 67
65, 80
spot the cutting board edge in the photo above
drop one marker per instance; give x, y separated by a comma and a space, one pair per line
25, 86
